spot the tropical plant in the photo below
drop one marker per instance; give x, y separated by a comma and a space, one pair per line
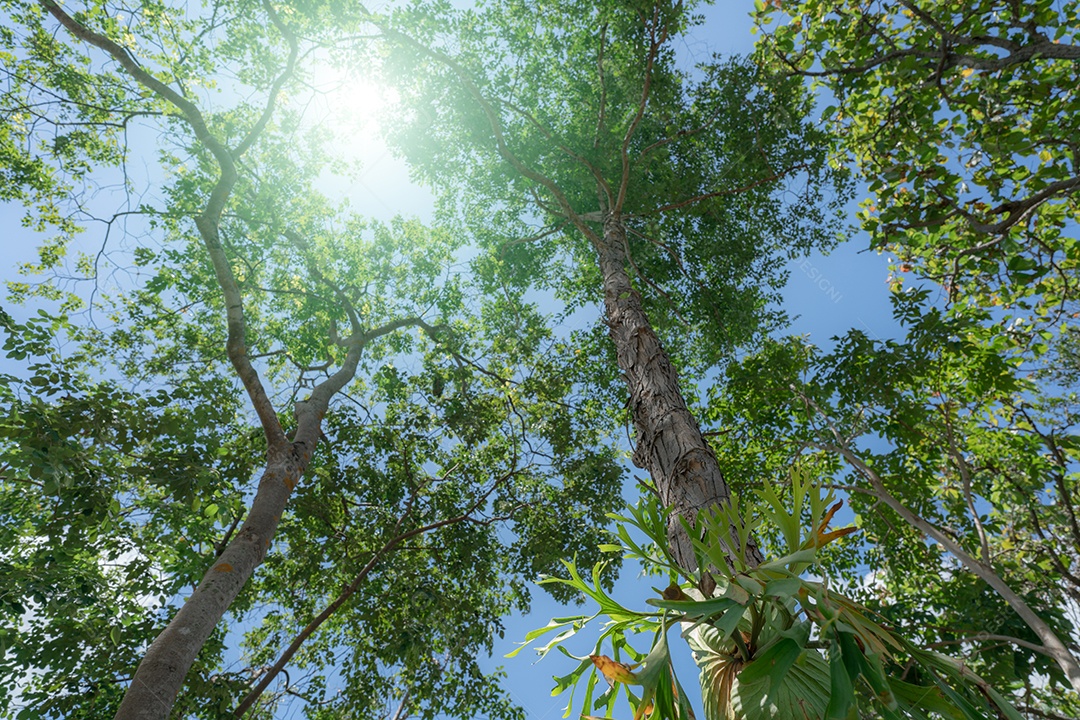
960, 465
776, 641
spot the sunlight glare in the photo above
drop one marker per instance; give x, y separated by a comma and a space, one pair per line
352, 102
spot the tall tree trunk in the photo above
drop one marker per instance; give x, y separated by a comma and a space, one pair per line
164, 667
670, 444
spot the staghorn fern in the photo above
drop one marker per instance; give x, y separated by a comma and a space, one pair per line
770, 643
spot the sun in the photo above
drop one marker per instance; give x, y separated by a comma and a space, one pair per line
349, 101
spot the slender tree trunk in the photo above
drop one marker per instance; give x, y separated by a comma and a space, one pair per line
670, 444
1052, 644
161, 673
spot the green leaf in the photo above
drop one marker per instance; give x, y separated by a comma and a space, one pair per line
773, 663
841, 690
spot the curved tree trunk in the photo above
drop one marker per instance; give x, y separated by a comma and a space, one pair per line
670, 444
161, 673
1052, 645
165, 665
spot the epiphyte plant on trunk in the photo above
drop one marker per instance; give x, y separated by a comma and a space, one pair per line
771, 643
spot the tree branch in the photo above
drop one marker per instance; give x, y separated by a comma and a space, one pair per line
987, 637
720, 193
501, 146
347, 592
1055, 648
654, 46
550, 135
208, 221
275, 89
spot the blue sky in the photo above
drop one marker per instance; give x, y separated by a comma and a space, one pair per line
826, 295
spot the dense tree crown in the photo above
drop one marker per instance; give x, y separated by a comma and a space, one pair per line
671, 197
961, 116
262, 453
388, 411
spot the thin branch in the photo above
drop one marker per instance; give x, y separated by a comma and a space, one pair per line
721, 193
678, 262
219, 547
683, 133
188, 110
1059, 479
550, 135
501, 145
646, 86
603, 89
275, 89
1048, 50
208, 220
1052, 643
352, 587
644, 277
1018, 210
402, 712
986, 637
1046, 714
965, 479
1047, 543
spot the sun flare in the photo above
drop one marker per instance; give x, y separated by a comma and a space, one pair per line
350, 101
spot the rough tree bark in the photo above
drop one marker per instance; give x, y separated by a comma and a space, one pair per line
160, 675
670, 445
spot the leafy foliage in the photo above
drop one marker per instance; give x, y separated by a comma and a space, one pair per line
960, 435
962, 118
471, 450
129, 450
530, 114
771, 643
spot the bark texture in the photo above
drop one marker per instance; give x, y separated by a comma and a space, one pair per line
670, 445
161, 673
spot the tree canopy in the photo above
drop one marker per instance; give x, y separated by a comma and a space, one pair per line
961, 118
132, 460
673, 196
264, 451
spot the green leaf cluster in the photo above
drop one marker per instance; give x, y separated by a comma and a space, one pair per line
771, 643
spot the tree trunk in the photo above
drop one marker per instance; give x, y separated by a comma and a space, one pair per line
161, 673
670, 444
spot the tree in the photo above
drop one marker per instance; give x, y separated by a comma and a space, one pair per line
405, 517
491, 120
132, 479
662, 190
942, 437
962, 119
